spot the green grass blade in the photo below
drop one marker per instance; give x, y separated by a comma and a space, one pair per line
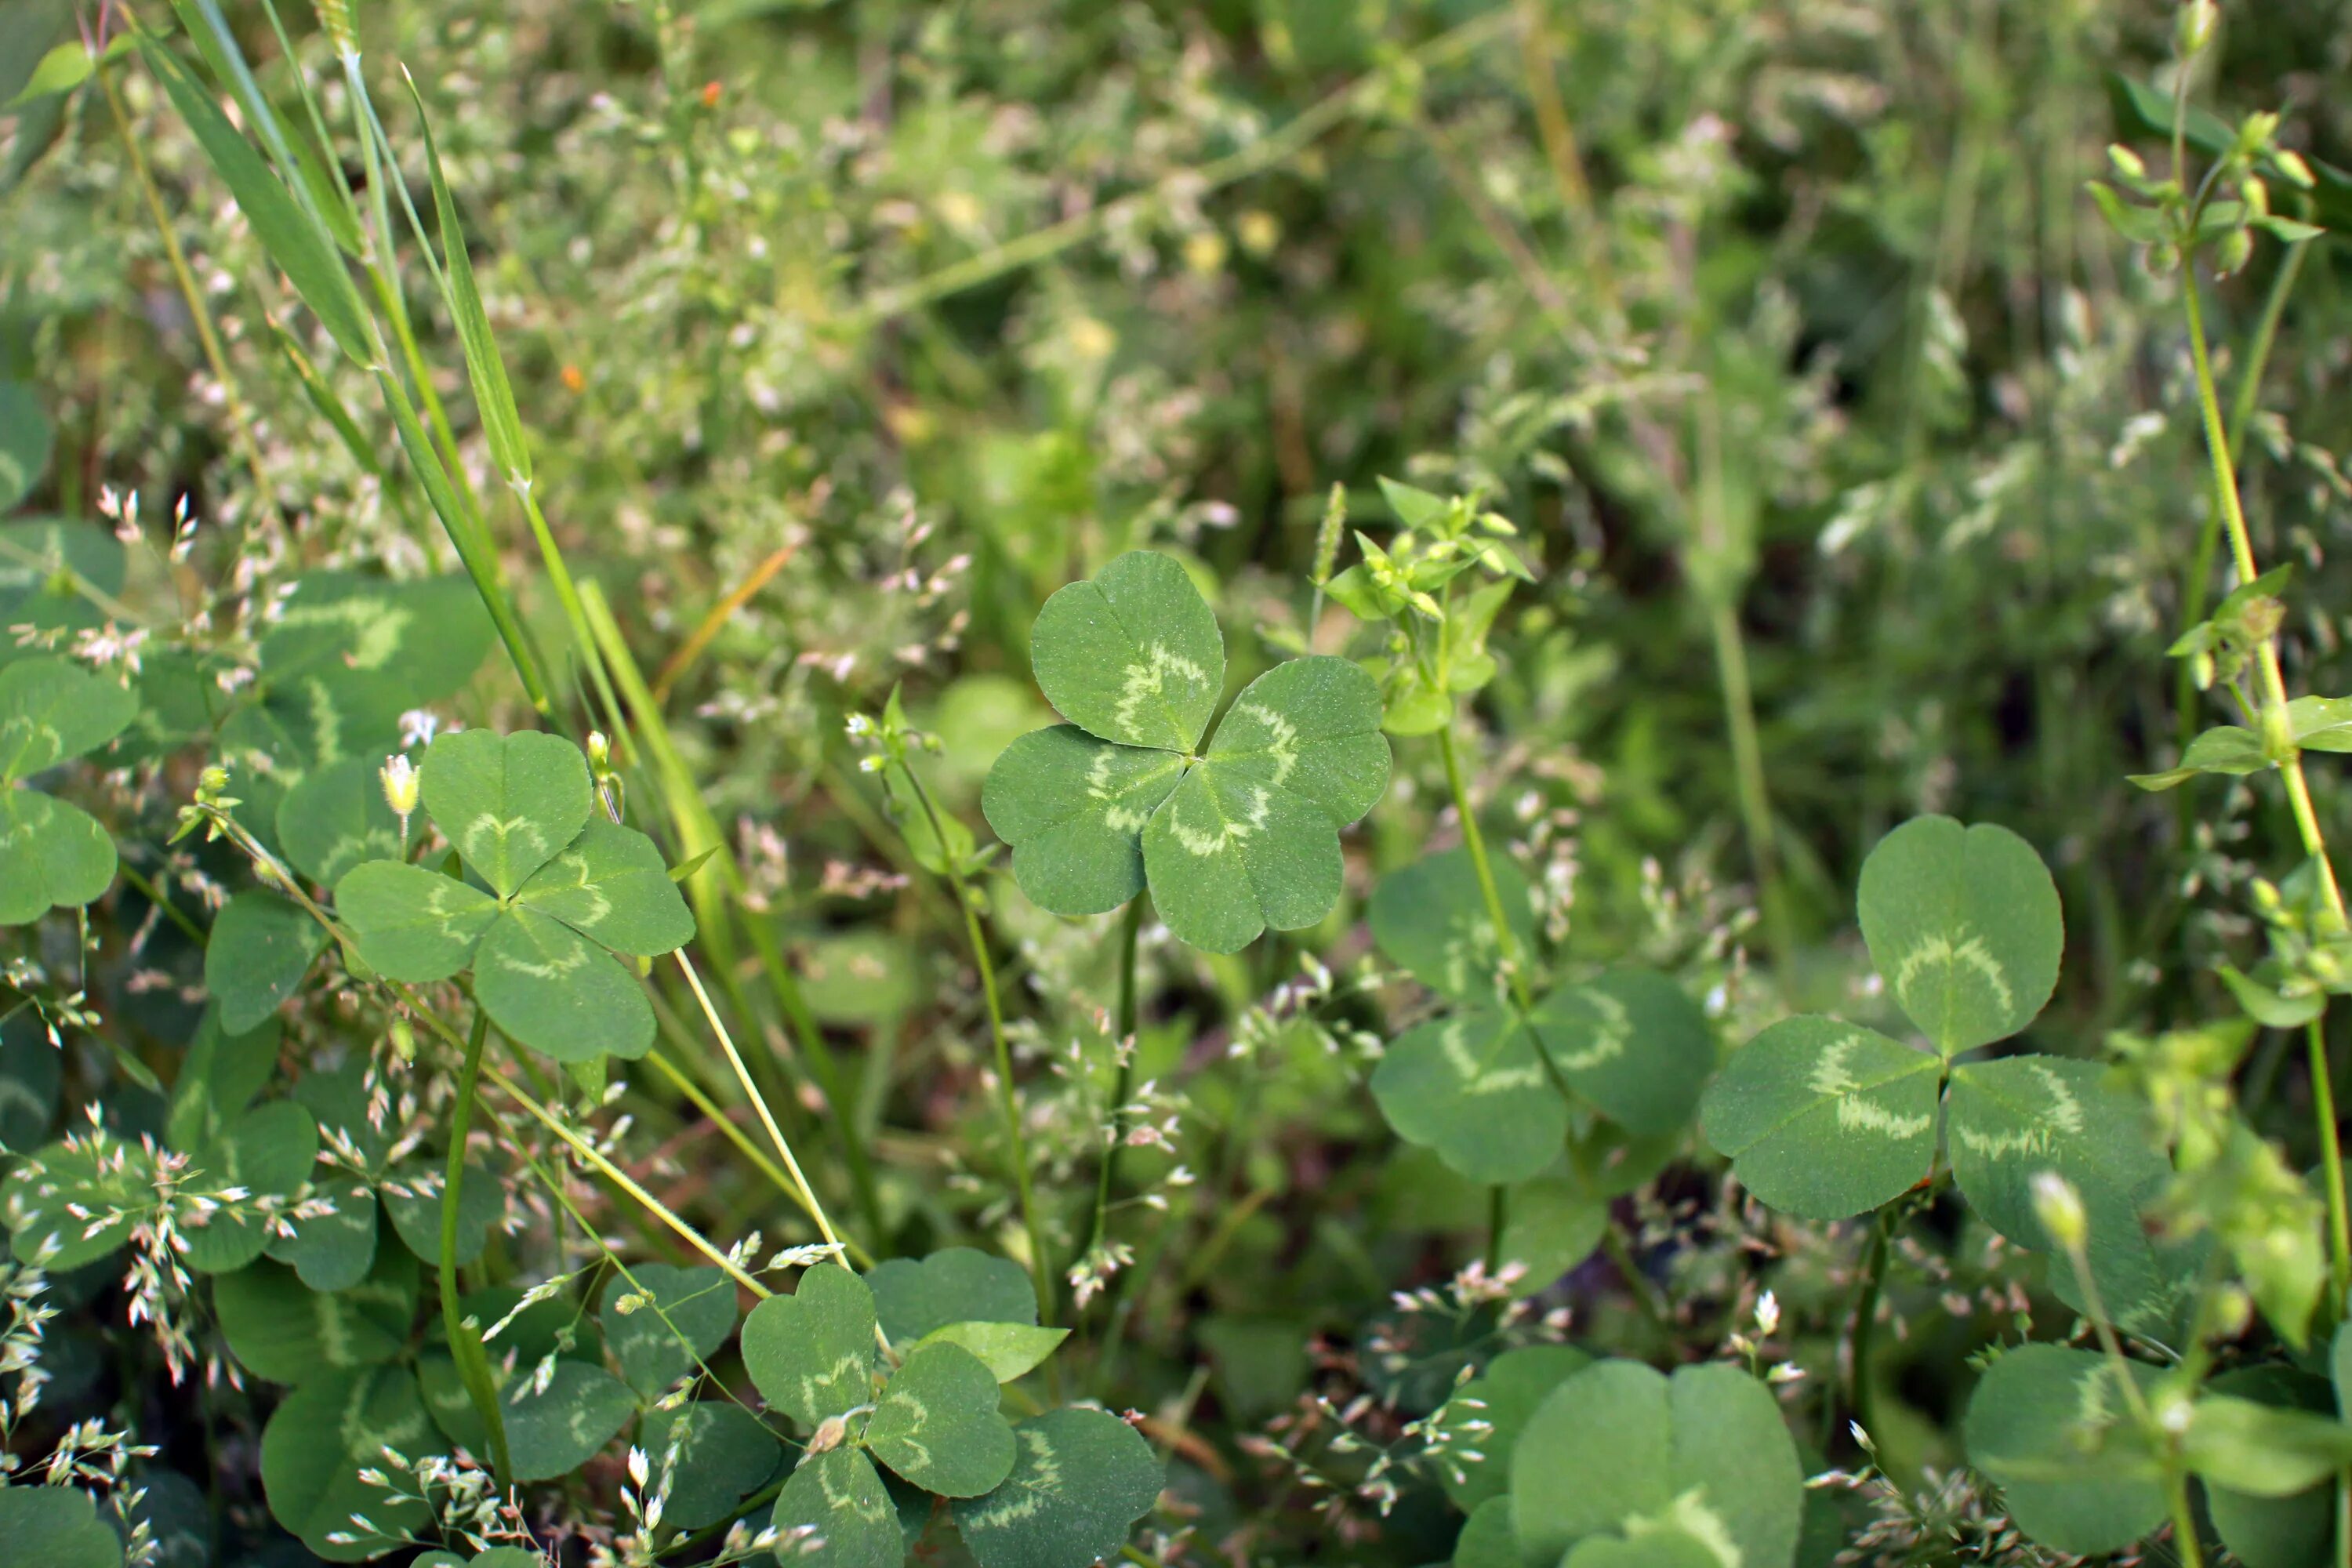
295, 240
493, 394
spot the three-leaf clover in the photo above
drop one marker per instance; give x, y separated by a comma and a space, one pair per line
51, 853
563, 895
1824, 1119
814, 1355
1231, 839
1482, 1085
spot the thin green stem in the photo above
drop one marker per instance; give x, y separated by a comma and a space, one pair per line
199, 310
758, 1102
681, 1080
1860, 1396
622, 1180
1748, 773
155, 894
2241, 550
1507, 941
1123, 1079
2199, 589
2184, 1519
2331, 1154
464, 1341
1041, 1268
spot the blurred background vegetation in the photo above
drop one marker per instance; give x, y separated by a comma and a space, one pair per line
846, 332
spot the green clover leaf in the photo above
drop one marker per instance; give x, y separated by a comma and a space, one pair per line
2051, 1426
1619, 1447
813, 1354
56, 1527
52, 854
1080, 1480
1823, 1119
565, 894
836, 1498
1230, 840
318, 1440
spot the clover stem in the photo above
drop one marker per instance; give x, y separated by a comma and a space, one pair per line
465, 1344
1123, 1081
2184, 1521
758, 1102
1040, 1268
1860, 1398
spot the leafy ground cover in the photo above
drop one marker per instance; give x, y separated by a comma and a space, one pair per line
1062, 781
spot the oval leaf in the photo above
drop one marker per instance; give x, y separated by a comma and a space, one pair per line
1080, 1479
1473, 1088
1134, 655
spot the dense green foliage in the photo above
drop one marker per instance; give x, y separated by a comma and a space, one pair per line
1385, 782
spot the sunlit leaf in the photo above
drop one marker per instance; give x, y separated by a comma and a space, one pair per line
1132, 656
509, 802
836, 1498
954, 1284
550, 988
411, 923
811, 1352
612, 886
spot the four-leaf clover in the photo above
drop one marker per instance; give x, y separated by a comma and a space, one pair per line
1230, 840
563, 895
52, 853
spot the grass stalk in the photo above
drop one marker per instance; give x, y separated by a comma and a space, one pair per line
758, 1103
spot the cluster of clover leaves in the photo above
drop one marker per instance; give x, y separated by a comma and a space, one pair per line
542, 892
52, 853
1825, 1118
1612, 1464
1495, 1087
1229, 839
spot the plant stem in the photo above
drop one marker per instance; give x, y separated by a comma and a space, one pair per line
2184, 1521
686, 1085
758, 1103
1040, 1267
1123, 1080
1748, 771
1507, 941
2331, 1153
1860, 1398
2241, 550
2199, 589
465, 1342
622, 1180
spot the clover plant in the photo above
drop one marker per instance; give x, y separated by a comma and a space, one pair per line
1230, 837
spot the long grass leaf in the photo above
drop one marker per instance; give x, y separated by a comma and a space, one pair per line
295, 240
493, 394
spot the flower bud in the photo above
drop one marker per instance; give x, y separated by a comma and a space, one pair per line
600, 753
400, 787
2059, 1207
2290, 162
2234, 250
2194, 29
2128, 163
